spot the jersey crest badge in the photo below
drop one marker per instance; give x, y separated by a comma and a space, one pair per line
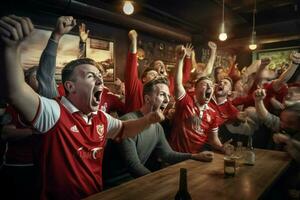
100, 131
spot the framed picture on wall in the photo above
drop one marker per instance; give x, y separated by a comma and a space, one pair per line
68, 49
279, 57
102, 51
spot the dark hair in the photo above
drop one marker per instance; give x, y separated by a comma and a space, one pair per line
149, 87
28, 73
229, 79
69, 68
201, 79
146, 71
217, 68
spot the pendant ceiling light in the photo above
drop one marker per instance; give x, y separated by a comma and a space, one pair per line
253, 45
128, 7
223, 34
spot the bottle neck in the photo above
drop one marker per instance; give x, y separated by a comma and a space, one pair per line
183, 180
249, 145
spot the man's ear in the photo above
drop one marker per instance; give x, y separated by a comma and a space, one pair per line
230, 93
147, 98
69, 86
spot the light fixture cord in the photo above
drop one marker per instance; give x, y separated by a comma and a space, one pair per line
253, 19
223, 12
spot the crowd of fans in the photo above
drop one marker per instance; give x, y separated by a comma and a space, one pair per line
76, 138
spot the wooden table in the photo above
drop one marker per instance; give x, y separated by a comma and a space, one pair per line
205, 180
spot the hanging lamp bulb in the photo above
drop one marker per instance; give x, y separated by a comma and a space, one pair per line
253, 45
128, 8
223, 34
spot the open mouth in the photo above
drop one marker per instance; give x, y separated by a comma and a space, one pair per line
97, 95
208, 93
220, 89
162, 108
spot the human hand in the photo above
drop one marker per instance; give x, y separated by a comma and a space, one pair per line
212, 45
265, 62
83, 33
14, 30
132, 35
155, 116
180, 52
228, 148
281, 138
64, 25
206, 156
259, 94
189, 49
295, 57
242, 116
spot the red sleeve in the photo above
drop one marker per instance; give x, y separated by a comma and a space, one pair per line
171, 86
115, 104
233, 110
186, 70
133, 85
243, 100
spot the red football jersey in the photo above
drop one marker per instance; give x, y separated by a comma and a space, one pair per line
192, 126
226, 111
71, 151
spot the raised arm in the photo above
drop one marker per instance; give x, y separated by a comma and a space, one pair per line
133, 127
262, 65
270, 120
133, 41
189, 49
261, 110
285, 76
83, 35
13, 31
213, 53
47, 65
179, 89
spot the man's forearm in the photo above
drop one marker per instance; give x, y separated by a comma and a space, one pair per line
262, 112
285, 76
209, 67
46, 71
18, 92
134, 127
179, 89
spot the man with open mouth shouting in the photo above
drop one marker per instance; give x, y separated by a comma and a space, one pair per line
73, 131
195, 123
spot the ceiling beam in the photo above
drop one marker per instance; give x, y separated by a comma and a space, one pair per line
84, 9
263, 39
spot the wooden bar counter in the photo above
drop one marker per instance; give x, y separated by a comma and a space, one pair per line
205, 180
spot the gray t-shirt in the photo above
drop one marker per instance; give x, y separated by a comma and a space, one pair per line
136, 151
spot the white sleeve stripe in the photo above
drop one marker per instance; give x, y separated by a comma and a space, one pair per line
214, 130
48, 115
181, 97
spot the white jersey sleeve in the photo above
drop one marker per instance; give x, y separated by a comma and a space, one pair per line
114, 126
47, 115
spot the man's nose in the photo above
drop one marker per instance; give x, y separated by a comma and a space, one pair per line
99, 80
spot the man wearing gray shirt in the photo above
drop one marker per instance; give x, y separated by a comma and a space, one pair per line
136, 151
